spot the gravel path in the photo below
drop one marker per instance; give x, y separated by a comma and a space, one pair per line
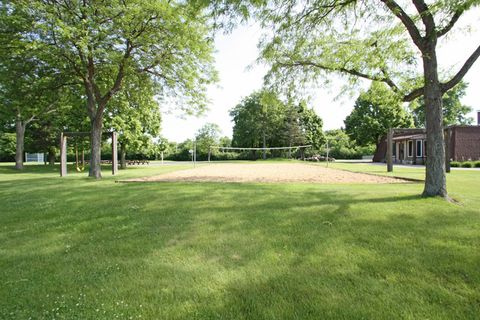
269, 172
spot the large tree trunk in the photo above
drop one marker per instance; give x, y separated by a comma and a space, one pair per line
96, 147
435, 180
123, 156
20, 135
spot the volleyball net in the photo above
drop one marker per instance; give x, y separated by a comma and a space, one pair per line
253, 153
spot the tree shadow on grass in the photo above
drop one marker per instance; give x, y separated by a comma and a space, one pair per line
234, 251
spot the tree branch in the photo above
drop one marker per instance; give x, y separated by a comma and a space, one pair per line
426, 16
118, 79
414, 94
329, 8
452, 22
407, 22
353, 72
461, 73
418, 92
45, 111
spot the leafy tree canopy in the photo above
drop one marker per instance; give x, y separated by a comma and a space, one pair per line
135, 114
100, 45
206, 137
380, 40
342, 147
256, 120
374, 112
374, 40
263, 119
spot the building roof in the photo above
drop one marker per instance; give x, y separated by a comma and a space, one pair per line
420, 136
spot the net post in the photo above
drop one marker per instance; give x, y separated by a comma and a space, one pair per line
63, 155
114, 154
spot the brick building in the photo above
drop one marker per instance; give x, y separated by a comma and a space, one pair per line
409, 145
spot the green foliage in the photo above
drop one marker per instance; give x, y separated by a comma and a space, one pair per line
225, 141
342, 147
105, 42
310, 41
29, 83
454, 112
311, 125
455, 164
34, 88
135, 114
7, 146
376, 111
206, 137
262, 119
149, 47
382, 41
291, 131
257, 119
181, 151
467, 164
357, 40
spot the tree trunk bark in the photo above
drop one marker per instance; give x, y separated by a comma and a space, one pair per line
51, 156
435, 179
123, 156
96, 147
20, 135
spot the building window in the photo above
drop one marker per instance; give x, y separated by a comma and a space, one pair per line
424, 148
410, 148
419, 148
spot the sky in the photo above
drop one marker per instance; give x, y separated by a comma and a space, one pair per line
235, 57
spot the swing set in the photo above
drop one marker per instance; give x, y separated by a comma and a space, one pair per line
80, 161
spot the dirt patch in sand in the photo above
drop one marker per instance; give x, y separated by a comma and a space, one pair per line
268, 172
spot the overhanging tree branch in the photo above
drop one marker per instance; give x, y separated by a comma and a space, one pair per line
461, 73
119, 77
406, 20
353, 72
426, 16
414, 94
452, 22
417, 92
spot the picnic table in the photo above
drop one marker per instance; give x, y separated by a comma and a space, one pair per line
137, 162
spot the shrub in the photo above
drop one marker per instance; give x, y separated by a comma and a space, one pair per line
467, 165
454, 164
476, 164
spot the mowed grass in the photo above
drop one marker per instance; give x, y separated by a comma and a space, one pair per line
73, 248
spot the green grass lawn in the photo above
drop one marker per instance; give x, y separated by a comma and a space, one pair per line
74, 248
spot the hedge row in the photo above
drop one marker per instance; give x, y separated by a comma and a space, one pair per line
465, 164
